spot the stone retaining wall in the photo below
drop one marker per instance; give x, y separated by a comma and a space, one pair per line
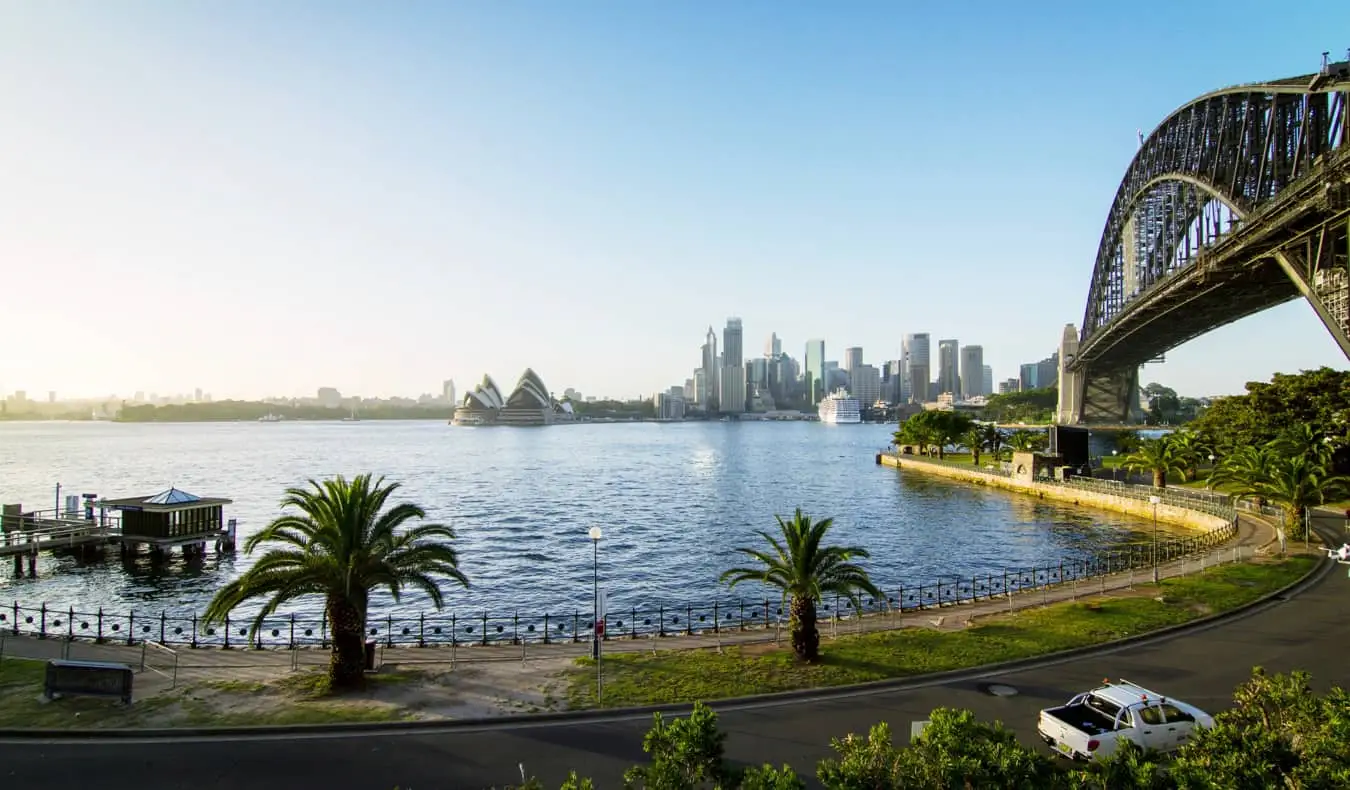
1170, 514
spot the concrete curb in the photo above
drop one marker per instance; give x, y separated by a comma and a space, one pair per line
1315, 575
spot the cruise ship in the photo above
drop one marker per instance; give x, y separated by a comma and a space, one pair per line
840, 409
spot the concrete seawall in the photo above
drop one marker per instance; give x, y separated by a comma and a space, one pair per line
1170, 514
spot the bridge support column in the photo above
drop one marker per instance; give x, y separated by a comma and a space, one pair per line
32, 565
1070, 411
1111, 397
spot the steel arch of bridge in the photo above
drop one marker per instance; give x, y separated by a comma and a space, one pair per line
1247, 175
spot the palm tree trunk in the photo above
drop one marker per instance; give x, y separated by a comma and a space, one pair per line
347, 664
1190, 474
976, 455
805, 636
1160, 478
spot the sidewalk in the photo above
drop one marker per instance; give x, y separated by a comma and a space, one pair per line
1254, 540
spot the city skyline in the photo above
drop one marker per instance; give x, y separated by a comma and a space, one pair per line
262, 201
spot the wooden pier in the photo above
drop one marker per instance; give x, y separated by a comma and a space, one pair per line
168, 520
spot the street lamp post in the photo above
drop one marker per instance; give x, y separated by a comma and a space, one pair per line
1115, 469
1153, 500
595, 534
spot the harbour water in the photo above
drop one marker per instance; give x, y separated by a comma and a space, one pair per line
674, 501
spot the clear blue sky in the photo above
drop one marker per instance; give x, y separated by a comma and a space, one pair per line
269, 197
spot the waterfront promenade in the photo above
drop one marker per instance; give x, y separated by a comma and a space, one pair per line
1204, 665
506, 679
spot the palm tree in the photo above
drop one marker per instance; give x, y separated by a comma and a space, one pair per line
1024, 441
1294, 483
1189, 448
804, 570
342, 544
975, 439
1303, 440
1242, 467
997, 441
1157, 456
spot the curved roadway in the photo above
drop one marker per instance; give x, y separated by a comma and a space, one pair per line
1308, 632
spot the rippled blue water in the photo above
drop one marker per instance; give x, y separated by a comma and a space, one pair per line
674, 501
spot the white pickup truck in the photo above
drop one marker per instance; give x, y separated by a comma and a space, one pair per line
1093, 724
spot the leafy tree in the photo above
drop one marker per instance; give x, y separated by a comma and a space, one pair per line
954, 751
1319, 399
684, 753
1032, 406
934, 427
342, 544
1277, 734
804, 569
1158, 457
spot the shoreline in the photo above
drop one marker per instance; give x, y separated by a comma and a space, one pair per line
1164, 512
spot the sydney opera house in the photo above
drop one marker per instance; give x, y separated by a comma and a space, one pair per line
529, 404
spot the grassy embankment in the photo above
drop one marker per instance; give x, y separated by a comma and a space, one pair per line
295, 699
686, 676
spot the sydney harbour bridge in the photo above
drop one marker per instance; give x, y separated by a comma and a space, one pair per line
1237, 202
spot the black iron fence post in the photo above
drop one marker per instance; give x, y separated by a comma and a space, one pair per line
194, 629
545, 627
99, 639
163, 623
292, 630
42, 621
421, 629
227, 631
717, 626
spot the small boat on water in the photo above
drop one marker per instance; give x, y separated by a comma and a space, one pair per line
270, 417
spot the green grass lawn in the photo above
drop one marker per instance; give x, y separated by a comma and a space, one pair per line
692, 675
296, 699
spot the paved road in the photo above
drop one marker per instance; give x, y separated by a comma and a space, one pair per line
1202, 668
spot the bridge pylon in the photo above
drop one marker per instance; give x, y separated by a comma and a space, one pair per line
1088, 396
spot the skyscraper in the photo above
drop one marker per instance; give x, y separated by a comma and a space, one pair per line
448, 390
949, 374
815, 371
707, 397
917, 361
852, 358
733, 369
972, 372
988, 380
773, 347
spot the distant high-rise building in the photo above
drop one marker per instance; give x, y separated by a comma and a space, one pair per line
327, 396
815, 371
773, 347
1047, 371
988, 388
707, 397
852, 358
865, 384
448, 390
689, 390
757, 374
917, 360
197, 395
733, 368
972, 372
891, 377
1026, 379
1009, 385
949, 374
51, 396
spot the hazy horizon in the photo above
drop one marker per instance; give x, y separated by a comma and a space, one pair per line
258, 199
